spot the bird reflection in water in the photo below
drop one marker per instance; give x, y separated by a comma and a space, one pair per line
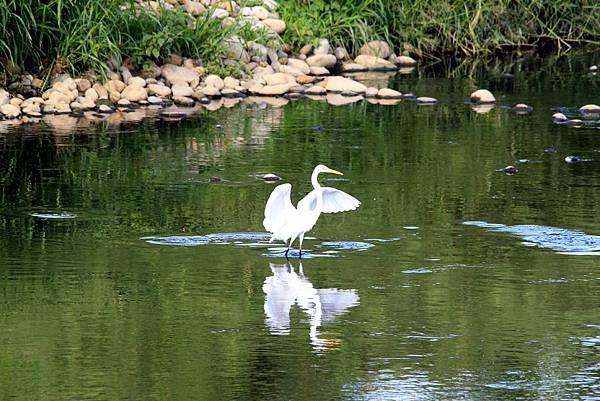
286, 288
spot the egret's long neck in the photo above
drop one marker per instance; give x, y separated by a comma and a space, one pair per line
313, 179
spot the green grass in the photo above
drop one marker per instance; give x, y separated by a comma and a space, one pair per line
82, 35
434, 28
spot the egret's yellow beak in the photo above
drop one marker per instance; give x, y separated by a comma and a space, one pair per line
332, 171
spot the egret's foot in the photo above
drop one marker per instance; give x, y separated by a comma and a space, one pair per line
300, 254
286, 253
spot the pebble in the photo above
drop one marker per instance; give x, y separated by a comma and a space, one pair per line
572, 159
508, 170
424, 100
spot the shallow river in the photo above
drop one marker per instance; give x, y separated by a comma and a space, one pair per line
134, 265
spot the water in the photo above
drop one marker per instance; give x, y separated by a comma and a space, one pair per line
133, 263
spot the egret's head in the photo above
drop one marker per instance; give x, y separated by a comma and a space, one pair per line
321, 168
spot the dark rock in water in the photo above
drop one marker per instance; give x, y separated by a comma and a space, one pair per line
317, 128
204, 100
559, 118
508, 170
271, 177
409, 96
218, 126
574, 123
294, 95
522, 108
215, 179
572, 159
550, 150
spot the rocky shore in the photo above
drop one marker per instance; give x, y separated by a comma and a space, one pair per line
272, 75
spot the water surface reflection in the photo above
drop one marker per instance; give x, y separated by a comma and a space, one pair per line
286, 288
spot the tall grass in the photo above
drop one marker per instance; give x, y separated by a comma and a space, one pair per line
436, 27
82, 35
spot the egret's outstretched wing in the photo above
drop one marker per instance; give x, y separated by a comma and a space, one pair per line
334, 201
279, 208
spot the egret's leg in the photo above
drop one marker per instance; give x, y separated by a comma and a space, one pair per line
289, 246
301, 238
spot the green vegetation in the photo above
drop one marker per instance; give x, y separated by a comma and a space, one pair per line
80, 35
431, 28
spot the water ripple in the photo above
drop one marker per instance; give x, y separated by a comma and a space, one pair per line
561, 240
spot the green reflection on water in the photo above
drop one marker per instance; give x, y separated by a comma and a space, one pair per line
88, 310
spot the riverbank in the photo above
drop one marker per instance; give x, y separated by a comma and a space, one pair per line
126, 54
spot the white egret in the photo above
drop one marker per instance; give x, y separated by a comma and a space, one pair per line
287, 222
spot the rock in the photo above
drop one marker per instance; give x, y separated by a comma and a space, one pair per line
371, 92
122, 103
57, 108
174, 59
387, 93
10, 111
306, 50
32, 101
279, 78
276, 25
32, 110
37, 83
58, 97
234, 49
181, 90
210, 91
353, 67
323, 47
305, 79
85, 103
273, 90
374, 63
270, 4
183, 101
590, 109
341, 84
572, 159
559, 118
316, 91
91, 94
270, 177
319, 71
322, 60
219, 13
215, 81
194, 8
4, 97
137, 81
83, 84
231, 83
173, 73
104, 109
521, 108
115, 85
299, 65
593, 68
286, 69
101, 91
424, 100
482, 96
405, 61
260, 12
341, 53
508, 170
231, 93
15, 101
159, 90
377, 48
134, 93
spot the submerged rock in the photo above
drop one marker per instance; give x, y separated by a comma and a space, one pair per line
559, 118
424, 100
508, 170
590, 109
521, 108
572, 159
482, 96
270, 177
